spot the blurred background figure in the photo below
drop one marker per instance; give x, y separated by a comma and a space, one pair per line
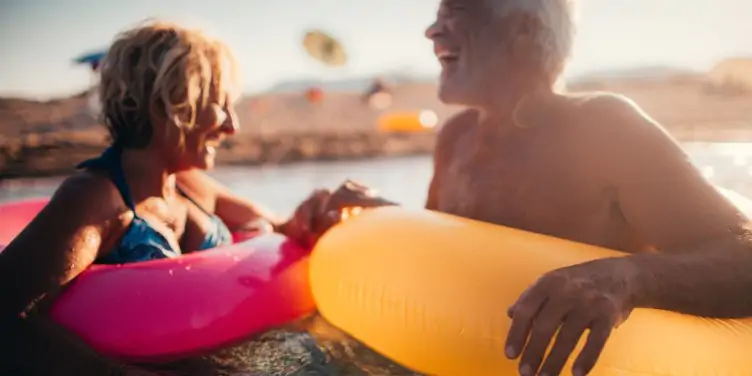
379, 95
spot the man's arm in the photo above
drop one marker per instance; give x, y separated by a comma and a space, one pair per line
705, 250
444, 150
711, 282
702, 267
660, 192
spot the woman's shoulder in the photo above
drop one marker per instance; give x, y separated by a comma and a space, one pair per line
86, 184
61, 240
90, 193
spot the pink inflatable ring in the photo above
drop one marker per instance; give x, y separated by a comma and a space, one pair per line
163, 310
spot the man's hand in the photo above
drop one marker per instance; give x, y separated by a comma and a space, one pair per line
323, 209
309, 217
597, 295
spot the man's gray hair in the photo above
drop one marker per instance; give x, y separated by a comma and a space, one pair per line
558, 21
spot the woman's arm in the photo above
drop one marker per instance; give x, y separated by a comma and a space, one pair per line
319, 211
236, 212
58, 244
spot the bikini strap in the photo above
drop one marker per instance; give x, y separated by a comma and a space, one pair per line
182, 192
110, 161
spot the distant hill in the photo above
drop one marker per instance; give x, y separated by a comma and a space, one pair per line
732, 75
641, 73
289, 86
358, 84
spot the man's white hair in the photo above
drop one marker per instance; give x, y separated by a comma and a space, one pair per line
558, 23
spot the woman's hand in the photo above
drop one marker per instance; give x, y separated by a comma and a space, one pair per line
323, 209
596, 295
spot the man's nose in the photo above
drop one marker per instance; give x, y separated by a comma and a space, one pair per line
433, 30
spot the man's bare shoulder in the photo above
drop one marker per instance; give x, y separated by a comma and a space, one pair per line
612, 115
613, 130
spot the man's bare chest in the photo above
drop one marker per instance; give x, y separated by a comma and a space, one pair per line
544, 191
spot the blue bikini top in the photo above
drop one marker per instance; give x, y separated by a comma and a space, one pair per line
141, 242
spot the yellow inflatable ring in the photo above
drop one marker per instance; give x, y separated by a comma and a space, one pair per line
430, 291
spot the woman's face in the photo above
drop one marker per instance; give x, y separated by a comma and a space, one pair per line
214, 122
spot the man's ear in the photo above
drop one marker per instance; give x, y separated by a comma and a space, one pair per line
526, 32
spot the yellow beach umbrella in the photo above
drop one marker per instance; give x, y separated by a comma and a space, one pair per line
324, 48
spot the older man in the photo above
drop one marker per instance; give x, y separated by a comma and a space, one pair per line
591, 168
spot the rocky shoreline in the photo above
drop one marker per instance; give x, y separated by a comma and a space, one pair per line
57, 154
42, 155
50, 138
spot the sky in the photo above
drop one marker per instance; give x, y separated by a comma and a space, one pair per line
39, 38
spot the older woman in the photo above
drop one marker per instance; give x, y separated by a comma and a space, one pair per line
167, 97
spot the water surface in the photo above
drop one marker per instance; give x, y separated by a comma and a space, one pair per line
405, 180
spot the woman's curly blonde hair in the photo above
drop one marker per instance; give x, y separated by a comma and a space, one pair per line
164, 68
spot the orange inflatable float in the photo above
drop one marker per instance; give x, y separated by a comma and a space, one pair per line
430, 290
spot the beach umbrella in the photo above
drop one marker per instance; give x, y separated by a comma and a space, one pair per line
324, 48
93, 59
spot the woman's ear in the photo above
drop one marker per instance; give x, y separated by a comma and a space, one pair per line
165, 129
156, 113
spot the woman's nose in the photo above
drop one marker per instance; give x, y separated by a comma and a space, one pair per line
231, 124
